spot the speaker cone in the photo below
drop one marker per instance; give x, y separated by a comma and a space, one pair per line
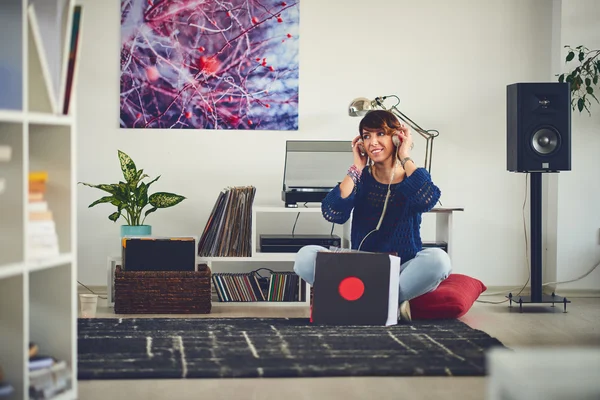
545, 141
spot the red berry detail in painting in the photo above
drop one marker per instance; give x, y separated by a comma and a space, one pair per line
271, 68
138, 115
152, 74
280, 20
351, 288
283, 4
201, 48
249, 122
188, 114
254, 20
228, 14
268, 105
208, 65
289, 35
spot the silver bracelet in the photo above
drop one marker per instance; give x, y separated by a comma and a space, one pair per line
404, 160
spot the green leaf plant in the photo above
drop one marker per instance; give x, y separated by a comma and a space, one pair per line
131, 197
583, 78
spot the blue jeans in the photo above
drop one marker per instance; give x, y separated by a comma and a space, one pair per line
418, 276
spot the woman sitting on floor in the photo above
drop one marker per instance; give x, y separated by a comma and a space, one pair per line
382, 162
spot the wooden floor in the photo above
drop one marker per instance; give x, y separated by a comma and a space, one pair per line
536, 326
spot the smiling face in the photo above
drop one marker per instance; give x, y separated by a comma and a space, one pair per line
378, 144
376, 130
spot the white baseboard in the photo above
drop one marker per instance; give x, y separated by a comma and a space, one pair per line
96, 289
576, 293
501, 290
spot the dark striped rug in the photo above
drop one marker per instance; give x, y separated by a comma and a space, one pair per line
153, 348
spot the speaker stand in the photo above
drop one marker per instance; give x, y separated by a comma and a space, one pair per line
536, 296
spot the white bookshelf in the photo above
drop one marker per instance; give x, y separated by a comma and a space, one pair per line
285, 261
38, 298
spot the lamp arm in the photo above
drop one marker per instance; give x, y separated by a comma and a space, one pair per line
425, 134
412, 124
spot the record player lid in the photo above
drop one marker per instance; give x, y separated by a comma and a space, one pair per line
315, 165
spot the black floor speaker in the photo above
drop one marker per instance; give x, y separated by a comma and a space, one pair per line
538, 137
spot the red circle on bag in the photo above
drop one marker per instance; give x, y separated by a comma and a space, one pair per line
351, 288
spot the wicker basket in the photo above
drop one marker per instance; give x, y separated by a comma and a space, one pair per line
163, 292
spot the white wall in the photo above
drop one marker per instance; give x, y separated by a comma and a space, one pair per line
578, 191
449, 62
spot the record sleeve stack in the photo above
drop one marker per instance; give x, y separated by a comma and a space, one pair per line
228, 230
282, 286
48, 376
43, 240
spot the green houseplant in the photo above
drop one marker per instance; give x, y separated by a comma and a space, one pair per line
583, 78
131, 197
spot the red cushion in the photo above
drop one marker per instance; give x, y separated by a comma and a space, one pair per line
452, 298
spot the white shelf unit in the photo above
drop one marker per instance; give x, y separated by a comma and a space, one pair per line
38, 297
285, 261
443, 234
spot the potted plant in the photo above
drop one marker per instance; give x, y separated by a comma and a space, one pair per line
131, 197
584, 77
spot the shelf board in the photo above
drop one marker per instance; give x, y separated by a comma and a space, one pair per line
49, 119
258, 257
9, 270
68, 395
317, 209
261, 303
11, 116
283, 209
446, 209
38, 265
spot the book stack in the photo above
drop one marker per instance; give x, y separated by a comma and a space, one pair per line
5, 156
48, 376
249, 287
42, 237
6, 388
228, 230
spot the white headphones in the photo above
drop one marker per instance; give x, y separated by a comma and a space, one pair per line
396, 142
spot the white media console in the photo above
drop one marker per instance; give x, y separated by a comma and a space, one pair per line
443, 233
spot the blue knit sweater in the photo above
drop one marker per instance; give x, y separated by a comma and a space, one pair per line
400, 230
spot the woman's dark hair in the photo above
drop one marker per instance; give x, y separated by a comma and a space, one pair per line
379, 119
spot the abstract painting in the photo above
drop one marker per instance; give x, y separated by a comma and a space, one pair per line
209, 64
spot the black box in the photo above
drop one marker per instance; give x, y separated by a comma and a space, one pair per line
355, 288
158, 253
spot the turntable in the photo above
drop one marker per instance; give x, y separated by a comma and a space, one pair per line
313, 168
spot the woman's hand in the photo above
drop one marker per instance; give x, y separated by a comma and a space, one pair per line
360, 155
406, 142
